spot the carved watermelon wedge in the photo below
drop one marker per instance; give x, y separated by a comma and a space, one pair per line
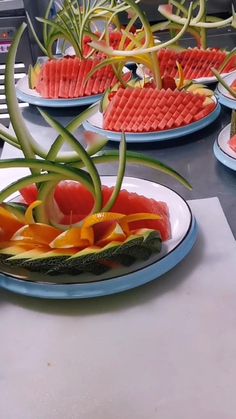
67, 78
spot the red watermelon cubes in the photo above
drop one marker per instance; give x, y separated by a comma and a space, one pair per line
67, 78
196, 63
149, 109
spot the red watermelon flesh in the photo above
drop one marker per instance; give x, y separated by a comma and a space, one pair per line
150, 109
67, 78
233, 85
75, 202
196, 63
63, 64
232, 143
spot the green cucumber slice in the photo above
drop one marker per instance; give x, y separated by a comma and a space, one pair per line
120, 175
132, 157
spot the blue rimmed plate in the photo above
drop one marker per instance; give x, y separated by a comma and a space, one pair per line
24, 93
224, 97
95, 123
222, 150
184, 233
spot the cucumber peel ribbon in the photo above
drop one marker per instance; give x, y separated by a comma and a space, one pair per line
83, 155
117, 53
23, 135
196, 23
109, 156
120, 176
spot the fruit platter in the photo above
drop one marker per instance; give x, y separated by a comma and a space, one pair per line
66, 231
225, 144
98, 58
199, 60
61, 83
158, 115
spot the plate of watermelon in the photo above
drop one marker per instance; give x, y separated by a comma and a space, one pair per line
225, 148
178, 230
149, 114
63, 83
195, 62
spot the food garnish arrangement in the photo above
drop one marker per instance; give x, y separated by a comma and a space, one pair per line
64, 220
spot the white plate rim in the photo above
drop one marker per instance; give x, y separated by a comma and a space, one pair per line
96, 288
24, 93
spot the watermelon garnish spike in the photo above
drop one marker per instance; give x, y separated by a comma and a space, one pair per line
223, 82
72, 23
45, 27
23, 135
109, 156
36, 38
120, 175
82, 155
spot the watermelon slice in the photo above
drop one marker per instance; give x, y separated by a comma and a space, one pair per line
196, 63
145, 110
66, 78
232, 143
76, 202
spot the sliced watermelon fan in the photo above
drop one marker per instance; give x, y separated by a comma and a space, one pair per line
196, 63
76, 202
68, 78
